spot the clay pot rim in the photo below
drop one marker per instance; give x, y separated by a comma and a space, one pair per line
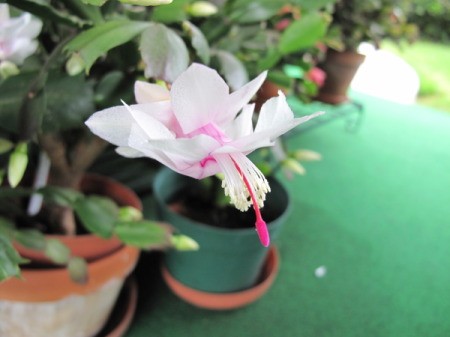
56, 283
227, 301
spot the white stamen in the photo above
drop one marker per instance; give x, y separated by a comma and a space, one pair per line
234, 185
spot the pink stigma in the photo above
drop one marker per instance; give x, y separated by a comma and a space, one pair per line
261, 226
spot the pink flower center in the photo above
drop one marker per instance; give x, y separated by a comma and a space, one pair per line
211, 130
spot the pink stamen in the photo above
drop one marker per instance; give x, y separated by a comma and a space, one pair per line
261, 226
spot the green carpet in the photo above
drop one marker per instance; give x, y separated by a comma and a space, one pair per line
375, 212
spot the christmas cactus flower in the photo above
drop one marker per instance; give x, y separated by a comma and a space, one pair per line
17, 36
199, 129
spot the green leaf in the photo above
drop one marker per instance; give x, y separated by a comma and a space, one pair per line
12, 93
303, 33
244, 11
44, 10
143, 234
147, 2
198, 41
78, 270
232, 69
31, 238
6, 228
59, 195
9, 259
108, 85
94, 2
272, 57
93, 43
175, 12
164, 53
56, 251
98, 214
309, 5
70, 100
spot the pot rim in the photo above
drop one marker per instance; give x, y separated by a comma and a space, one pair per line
229, 300
52, 284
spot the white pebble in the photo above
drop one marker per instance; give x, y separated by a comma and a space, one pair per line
321, 271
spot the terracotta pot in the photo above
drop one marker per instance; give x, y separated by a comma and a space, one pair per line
340, 68
88, 246
227, 301
46, 302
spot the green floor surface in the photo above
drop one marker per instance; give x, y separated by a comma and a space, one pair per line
375, 212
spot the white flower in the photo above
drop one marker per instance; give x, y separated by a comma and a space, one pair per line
199, 129
17, 36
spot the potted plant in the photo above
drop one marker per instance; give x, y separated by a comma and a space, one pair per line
196, 130
354, 22
54, 74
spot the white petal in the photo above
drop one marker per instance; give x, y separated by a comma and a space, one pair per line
242, 125
32, 28
267, 136
113, 124
145, 92
197, 96
274, 111
21, 49
153, 128
129, 152
238, 99
181, 155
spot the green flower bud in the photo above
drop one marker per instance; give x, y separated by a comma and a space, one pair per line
18, 161
8, 69
75, 64
202, 8
78, 270
5, 145
129, 213
184, 243
294, 166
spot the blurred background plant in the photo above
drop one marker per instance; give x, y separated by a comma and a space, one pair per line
370, 21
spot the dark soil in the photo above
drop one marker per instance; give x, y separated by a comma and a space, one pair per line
197, 204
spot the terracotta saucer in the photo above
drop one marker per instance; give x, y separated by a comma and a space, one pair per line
123, 312
227, 301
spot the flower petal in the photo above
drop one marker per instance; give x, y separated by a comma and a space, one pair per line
112, 124
197, 96
129, 152
242, 124
181, 155
153, 128
238, 99
145, 92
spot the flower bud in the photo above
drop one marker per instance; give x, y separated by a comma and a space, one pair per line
294, 166
8, 69
307, 155
75, 64
184, 243
18, 161
5, 145
202, 8
129, 213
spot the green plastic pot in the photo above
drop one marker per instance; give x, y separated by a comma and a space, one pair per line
228, 260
